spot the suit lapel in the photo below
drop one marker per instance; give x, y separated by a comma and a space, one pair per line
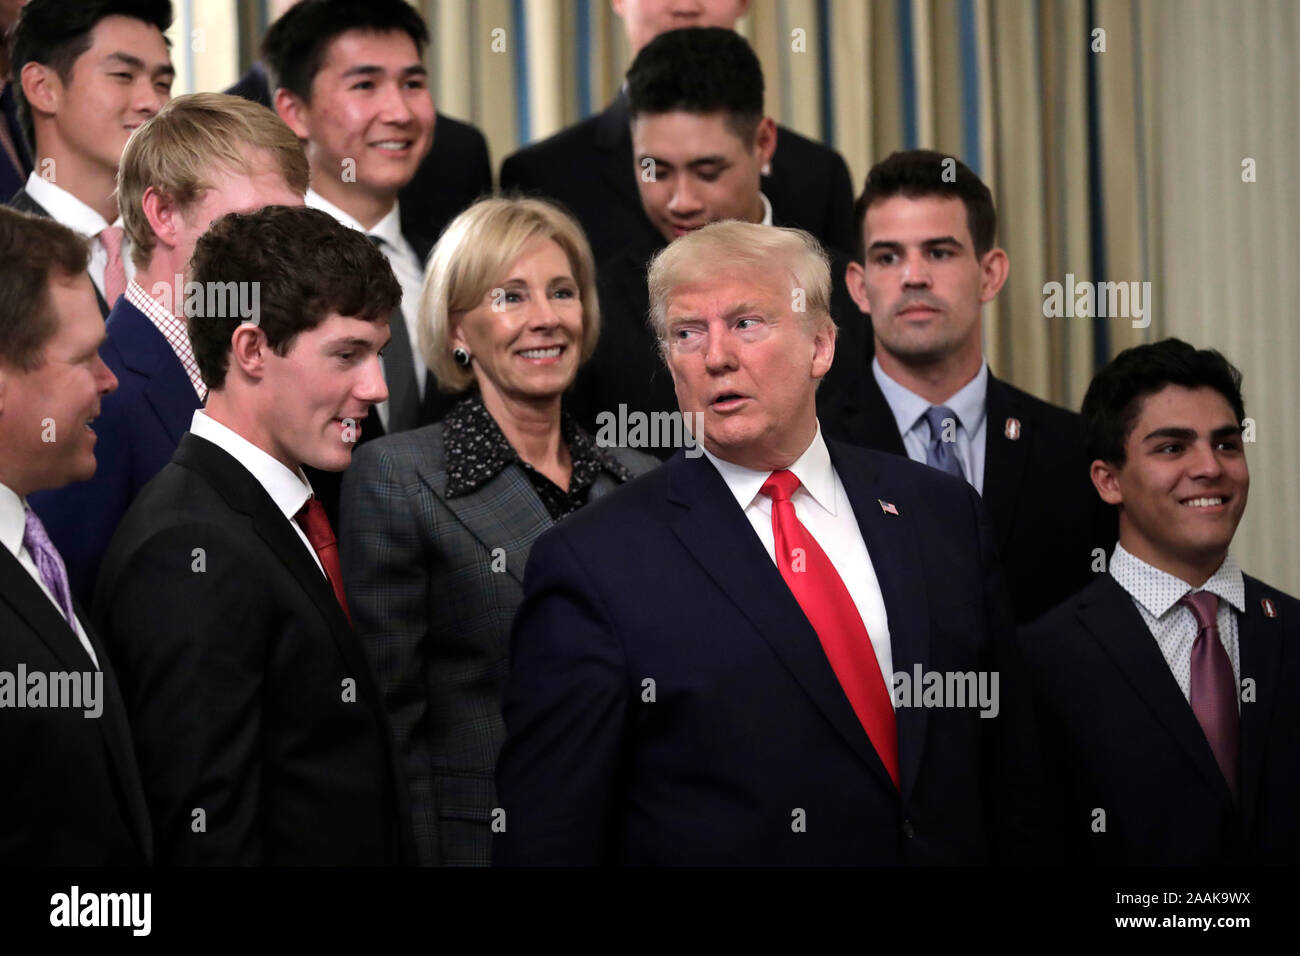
896, 558
1109, 615
878, 428
504, 513
1005, 459
25, 596
1260, 641
145, 350
716, 532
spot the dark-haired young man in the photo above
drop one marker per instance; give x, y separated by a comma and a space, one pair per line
1167, 692
86, 74
701, 139
926, 262
260, 734
589, 166
71, 794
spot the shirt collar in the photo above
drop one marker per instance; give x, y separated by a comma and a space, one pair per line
66, 208
287, 489
388, 229
967, 403
767, 209
1158, 590
812, 468
13, 519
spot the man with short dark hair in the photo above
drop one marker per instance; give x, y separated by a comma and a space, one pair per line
589, 166
701, 139
86, 74
72, 795
1167, 692
926, 260
260, 734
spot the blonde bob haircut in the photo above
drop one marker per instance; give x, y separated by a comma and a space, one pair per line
189, 141
475, 254
732, 247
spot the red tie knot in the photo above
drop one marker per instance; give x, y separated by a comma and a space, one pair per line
1204, 607
780, 485
315, 524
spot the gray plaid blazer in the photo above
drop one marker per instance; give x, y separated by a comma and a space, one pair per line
433, 584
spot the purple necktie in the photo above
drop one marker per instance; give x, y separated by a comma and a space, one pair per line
46, 558
1214, 689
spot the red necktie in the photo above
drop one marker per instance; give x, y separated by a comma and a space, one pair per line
315, 524
115, 269
826, 603
1214, 695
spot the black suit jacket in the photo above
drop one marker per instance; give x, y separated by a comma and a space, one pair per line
589, 168
627, 369
71, 794
665, 581
1047, 516
11, 178
248, 690
25, 203
455, 173
1112, 732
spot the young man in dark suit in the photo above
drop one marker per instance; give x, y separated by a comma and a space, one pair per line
202, 156
714, 664
455, 173
260, 734
71, 794
1166, 693
589, 166
699, 135
87, 73
926, 262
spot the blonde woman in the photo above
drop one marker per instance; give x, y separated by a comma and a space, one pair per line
437, 522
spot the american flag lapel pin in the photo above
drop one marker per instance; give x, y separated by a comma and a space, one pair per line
1270, 609
1012, 428
887, 507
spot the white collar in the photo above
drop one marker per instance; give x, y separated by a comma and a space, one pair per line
13, 519
967, 403
388, 229
812, 468
288, 490
66, 208
1158, 590
767, 209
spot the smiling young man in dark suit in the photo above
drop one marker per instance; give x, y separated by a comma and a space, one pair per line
925, 264
589, 166
704, 667
259, 731
1167, 693
71, 794
202, 156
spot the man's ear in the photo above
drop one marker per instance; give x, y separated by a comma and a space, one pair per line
248, 348
765, 141
293, 111
1105, 478
163, 215
824, 349
855, 279
994, 268
42, 88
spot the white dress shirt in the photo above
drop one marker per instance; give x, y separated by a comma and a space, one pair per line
13, 522
822, 506
289, 490
70, 211
967, 405
1157, 593
767, 210
406, 267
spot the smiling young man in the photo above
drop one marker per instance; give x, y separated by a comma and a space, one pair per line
1167, 690
260, 735
701, 141
87, 74
202, 156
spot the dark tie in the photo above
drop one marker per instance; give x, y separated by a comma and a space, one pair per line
399, 370
46, 558
829, 607
1214, 689
315, 524
942, 454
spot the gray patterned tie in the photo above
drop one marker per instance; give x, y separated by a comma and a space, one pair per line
942, 454
399, 370
46, 558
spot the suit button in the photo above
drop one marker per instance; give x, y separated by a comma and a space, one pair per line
909, 831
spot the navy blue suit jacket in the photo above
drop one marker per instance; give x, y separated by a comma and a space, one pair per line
138, 429
745, 723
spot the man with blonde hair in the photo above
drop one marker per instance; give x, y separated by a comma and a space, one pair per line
778, 653
201, 157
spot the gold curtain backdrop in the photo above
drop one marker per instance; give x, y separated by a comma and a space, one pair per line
1114, 134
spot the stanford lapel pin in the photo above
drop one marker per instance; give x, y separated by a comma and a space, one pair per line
887, 507
1012, 428
1270, 609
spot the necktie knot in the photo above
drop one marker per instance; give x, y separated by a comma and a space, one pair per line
112, 237
315, 524
48, 563
780, 485
938, 417
1204, 607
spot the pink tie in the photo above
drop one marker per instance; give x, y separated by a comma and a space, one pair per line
115, 271
1214, 689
